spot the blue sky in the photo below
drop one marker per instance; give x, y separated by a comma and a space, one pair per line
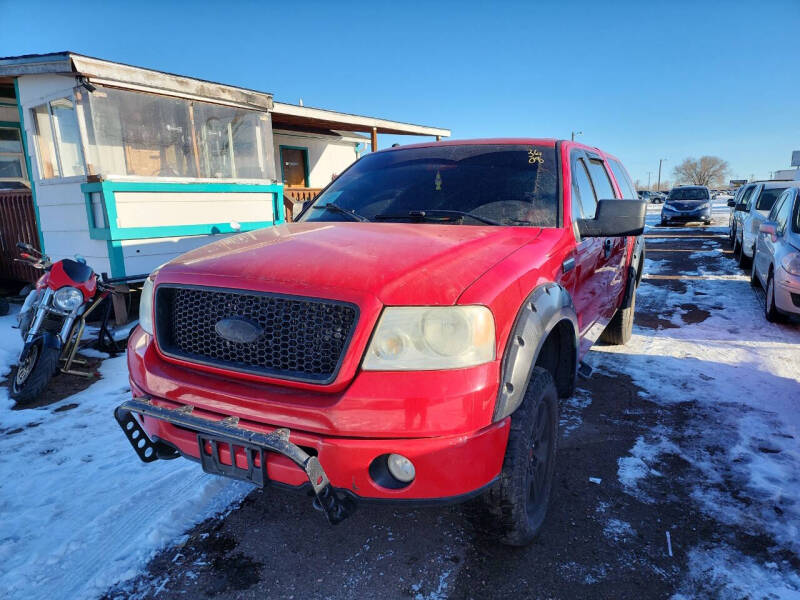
643, 80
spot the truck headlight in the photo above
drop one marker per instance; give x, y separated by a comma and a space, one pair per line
68, 298
791, 263
426, 338
146, 306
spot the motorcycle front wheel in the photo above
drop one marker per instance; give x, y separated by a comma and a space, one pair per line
37, 364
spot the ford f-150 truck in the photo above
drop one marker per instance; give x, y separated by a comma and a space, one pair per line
407, 339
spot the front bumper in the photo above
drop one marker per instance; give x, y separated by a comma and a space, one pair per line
448, 468
787, 292
686, 216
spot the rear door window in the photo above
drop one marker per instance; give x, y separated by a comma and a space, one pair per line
766, 200
602, 183
623, 180
584, 200
783, 211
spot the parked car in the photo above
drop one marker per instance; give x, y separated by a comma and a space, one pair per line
738, 204
759, 203
776, 262
652, 197
687, 203
408, 339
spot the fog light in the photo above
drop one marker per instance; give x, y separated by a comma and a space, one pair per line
401, 468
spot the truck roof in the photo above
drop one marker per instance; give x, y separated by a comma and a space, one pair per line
549, 142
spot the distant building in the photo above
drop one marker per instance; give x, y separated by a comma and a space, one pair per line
130, 167
789, 174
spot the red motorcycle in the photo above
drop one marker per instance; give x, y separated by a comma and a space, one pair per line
52, 320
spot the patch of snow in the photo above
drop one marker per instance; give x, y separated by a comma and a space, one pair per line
571, 411
739, 378
78, 510
618, 530
725, 574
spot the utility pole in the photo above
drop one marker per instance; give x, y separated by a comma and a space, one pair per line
648, 180
574, 133
660, 160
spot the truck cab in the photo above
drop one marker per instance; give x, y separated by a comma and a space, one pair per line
407, 340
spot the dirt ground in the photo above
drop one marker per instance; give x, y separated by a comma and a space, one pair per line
600, 541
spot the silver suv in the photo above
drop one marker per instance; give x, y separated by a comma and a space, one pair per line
760, 201
776, 264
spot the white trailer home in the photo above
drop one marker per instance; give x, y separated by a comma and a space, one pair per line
129, 167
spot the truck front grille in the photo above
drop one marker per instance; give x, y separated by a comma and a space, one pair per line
295, 338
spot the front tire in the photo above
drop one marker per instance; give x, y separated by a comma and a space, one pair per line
37, 364
517, 504
741, 258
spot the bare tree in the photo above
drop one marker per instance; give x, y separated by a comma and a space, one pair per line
710, 171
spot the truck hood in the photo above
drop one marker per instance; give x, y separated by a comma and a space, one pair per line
398, 263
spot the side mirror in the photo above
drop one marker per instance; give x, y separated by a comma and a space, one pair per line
615, 218
731, 203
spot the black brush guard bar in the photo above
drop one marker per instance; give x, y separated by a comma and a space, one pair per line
336, 507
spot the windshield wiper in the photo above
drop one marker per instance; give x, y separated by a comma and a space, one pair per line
336, 208
423, 214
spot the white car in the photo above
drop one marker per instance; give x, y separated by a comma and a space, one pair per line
776, 265
759, 203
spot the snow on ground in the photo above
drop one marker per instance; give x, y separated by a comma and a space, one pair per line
78, 510
739, 377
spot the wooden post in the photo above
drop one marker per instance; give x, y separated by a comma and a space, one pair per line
119, 304
438, 138
374, 139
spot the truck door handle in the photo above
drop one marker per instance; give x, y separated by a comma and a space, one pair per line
607, 247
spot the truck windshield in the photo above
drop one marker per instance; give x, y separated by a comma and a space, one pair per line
476, 184
689, 194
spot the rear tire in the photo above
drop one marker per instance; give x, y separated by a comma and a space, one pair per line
514, 509
37, 365
4, 307
770, 312
619, 330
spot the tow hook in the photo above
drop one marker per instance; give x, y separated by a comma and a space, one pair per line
336, 508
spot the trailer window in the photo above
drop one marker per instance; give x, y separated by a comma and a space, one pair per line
12, 159
58, 139
141, 134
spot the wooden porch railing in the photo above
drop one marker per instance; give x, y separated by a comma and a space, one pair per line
17, 224
293, 198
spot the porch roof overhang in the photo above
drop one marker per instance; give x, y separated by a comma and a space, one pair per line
103, 72
299, 116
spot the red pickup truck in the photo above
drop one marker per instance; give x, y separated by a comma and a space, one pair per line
407, 339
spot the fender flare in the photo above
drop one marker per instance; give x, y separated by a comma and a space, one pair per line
545, 307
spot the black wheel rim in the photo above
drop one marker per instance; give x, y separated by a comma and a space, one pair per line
26, 365
539, 462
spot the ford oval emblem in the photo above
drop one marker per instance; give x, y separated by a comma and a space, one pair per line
238, 330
